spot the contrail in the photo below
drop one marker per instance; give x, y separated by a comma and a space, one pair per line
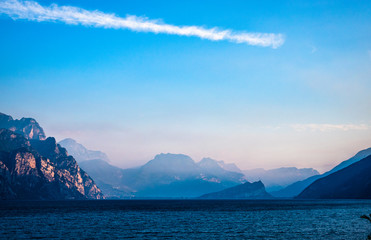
33, 11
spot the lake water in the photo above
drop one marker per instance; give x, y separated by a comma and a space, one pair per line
184, 219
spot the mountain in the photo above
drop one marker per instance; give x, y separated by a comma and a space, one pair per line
177, 176
34, 169
297, 187
246, 190
276, 179
226, 166
80, 153
351, 182
165, 176
27, 127
108, 178
220, 169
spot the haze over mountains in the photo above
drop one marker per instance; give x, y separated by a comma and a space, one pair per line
80, 153
35, 167
165, 176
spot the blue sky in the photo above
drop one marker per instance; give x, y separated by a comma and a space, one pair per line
134, 94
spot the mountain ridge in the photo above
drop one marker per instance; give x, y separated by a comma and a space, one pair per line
297, 187
351, 182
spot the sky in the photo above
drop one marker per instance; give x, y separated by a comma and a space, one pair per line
263, 84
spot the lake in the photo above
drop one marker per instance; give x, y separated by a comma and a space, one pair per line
185, 219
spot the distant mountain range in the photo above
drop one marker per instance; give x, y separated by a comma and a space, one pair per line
32, 167
297, 187
278, 178
162, 176
165, 176
80, 153
350, 182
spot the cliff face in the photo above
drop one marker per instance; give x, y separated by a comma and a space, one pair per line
40, 169
28, 127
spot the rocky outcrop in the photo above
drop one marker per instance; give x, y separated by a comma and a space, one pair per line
28, 127
40, 170
255, 190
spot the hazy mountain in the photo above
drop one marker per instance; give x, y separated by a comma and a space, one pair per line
80, 153
27, 127
246, 190
108, 178
177, 175
297, 187
228, 166
351, 182
40, 169
219, 169
165, 176
276, 179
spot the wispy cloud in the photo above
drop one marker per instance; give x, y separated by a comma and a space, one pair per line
33, 11
330, 127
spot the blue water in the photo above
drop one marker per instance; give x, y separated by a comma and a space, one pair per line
184, 219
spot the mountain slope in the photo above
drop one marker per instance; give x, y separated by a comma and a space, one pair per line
351, 182
279, 178
296, 188
80, 153
247, 190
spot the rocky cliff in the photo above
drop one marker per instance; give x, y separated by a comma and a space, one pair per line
39, 169
28, 127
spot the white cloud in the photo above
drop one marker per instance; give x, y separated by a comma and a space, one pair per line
330, 127
33, 11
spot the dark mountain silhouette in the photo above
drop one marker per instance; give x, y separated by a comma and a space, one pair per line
246, 190
81, 153
297, 187
351, 182
36, 169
